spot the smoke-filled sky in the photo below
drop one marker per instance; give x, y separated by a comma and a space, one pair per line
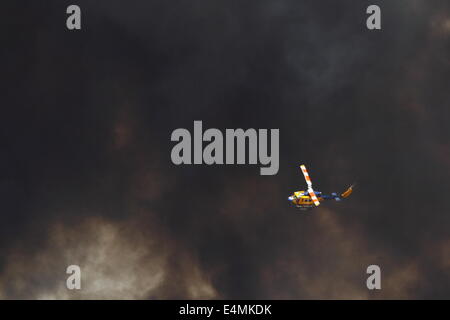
86, 176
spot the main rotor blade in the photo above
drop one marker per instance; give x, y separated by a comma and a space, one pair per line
313, 197
305, 173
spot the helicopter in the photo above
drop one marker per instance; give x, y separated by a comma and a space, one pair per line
310, 198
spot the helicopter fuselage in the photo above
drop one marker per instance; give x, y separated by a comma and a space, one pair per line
302, 200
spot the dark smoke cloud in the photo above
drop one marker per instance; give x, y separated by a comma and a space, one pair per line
86, 176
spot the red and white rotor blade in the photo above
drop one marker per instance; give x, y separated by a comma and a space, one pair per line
313, 197
307, 178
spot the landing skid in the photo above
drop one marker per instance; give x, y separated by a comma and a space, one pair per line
304, 208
